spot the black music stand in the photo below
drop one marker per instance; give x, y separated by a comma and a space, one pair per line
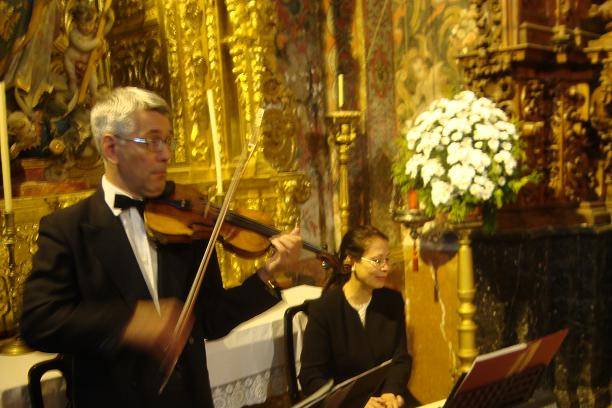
505, 379
513, 390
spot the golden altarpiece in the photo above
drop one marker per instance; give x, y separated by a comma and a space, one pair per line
182, 49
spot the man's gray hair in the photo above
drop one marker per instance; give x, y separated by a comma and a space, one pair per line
114, 113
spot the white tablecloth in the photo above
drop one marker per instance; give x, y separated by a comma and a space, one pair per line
14, 380
246, 367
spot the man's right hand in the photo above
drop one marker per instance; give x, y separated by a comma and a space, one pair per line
150, 331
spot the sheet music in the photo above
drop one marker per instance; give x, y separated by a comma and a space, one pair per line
337, 393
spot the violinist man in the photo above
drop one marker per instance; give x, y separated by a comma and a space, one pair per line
103, 294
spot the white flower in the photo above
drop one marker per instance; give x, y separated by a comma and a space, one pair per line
507, 146
440, 192
509, 166
461, 176
453, 153
456, 136
483, 103
493, 144
438, 130
428, 142
431, 168
500, 114
479, 160
482, 188
478, 145
422, 117
476, 190
513, 133
505, 157
440, 103
412, 166
504, 126
467, 96
485, 132
445, 140
412, 137
426, 119
452, 108
456, 124
474, 118
502, 156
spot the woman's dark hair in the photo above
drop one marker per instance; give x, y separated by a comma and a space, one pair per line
354, 244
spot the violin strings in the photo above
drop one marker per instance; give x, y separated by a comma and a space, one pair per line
263, 229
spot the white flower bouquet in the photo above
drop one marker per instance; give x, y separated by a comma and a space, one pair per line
461, 154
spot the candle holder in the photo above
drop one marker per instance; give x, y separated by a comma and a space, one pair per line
343, 127
14, 345
413, 219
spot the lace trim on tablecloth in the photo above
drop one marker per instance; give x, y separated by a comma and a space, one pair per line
254, 389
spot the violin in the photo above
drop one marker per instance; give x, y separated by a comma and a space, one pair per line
182, 214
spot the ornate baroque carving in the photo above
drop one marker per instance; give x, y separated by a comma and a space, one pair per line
228, 46
510, 62
188, 70
28, 212
601, 110
291, 191
138, 62
536, 110
252, 51
128, 11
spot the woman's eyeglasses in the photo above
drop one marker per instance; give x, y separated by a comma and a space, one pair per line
152, 145
376, 261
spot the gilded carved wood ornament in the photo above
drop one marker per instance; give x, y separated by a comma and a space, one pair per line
545, 64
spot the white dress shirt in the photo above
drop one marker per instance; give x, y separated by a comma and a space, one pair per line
144, 250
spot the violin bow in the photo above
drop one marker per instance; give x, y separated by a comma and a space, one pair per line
182, 325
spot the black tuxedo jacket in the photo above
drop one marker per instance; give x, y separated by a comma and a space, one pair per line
83, 288
337, 345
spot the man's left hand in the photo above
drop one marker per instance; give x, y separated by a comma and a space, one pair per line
287, 252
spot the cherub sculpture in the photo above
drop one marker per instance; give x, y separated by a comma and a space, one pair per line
82, 43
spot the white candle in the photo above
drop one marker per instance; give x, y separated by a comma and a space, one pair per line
340, 91
215, 140
6, 157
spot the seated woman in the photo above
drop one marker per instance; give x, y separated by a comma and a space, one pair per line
358, 324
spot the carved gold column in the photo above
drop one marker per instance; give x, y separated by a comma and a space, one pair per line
15, 345
343, 127
466, 291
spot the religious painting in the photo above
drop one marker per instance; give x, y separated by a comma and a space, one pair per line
428, 36
50, 64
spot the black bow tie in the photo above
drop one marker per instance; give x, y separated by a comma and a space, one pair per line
125, 202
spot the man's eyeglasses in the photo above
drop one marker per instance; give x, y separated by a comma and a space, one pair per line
376, 262
152, 145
